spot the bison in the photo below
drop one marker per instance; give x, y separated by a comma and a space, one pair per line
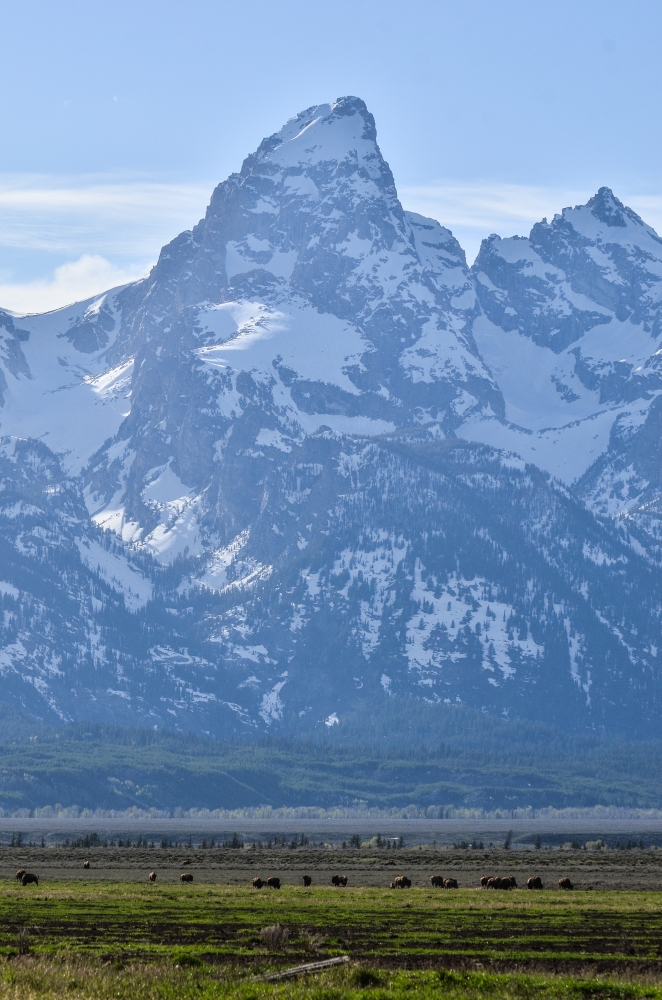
498, 882
152, 876
565, 883
402, 882
307, 880
437, 881
450, 883
339, 880
485, 881
86, 864
186, 877
273, 882
535, 882
19, 874
29, 878
257, 883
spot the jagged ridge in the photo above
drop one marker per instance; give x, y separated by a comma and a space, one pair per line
270, 427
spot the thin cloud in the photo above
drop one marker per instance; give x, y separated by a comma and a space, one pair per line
65, 239
71, 282
96, 215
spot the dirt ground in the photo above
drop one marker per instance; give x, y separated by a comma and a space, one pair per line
598, 870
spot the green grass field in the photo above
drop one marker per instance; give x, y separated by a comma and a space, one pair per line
97, 939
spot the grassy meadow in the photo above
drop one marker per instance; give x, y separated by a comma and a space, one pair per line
134, 940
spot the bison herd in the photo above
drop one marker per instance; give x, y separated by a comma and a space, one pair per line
498, 882
436, 881
535, 882
401, 882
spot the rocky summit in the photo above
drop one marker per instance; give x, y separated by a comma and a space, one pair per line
314, 466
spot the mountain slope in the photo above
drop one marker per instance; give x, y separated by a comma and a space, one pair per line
313, 463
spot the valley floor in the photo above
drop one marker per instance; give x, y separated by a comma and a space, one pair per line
108, 932
588, 870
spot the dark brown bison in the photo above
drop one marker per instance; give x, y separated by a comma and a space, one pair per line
186, 877
437, 881
257, 883
565, 883
273, 882
402, 882
307, 880
86, 864
501, 882
484, 881
339, 880
450, 883
535, 882
29, 878
152, 876
19, 874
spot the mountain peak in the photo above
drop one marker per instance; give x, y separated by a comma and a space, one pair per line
328, 429
603, 220
606, 207
321, 132
325, 157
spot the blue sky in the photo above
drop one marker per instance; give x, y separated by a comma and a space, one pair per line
117, 118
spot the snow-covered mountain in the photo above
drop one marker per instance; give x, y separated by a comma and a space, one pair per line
314, 462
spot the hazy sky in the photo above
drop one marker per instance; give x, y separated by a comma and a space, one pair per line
117, 118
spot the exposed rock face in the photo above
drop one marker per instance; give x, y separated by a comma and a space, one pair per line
304, 466
577, 306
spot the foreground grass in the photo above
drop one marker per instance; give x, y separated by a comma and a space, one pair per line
29, 979
419, 927
99, 940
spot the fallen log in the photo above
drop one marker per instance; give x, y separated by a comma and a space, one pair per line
301, 970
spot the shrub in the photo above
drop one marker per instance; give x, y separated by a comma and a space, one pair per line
274, 936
